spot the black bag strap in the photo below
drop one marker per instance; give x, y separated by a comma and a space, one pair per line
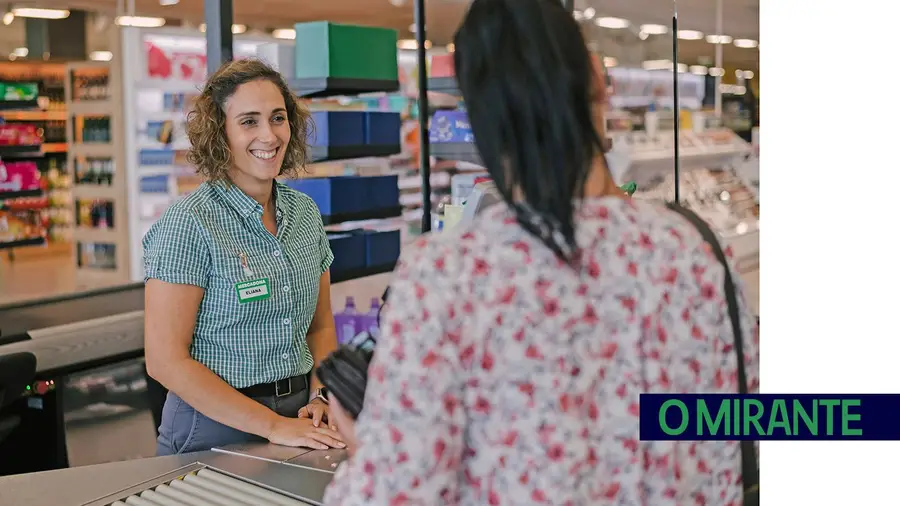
749, 466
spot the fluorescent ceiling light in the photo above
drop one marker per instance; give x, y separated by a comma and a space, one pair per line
165, 3
657, 65
578, 15
717, 72
746, 43
589, 13
699, 70
284, 33
407, 44
718, 39
609, 61
8, 18
235, 29
140, 21
682, 67
451, 47
652, 29
32, 12
101, 55
747, 74
690, 35
612, 23
20, 52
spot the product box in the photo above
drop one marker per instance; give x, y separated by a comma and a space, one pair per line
332, 50
337, 128
18, 92
451, 126
19, 176
19, 134
349, 251
332, 195
382, 128
442, 66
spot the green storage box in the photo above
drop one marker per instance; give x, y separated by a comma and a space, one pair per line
326, 50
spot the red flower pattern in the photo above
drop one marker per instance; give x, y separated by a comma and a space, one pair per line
543, 407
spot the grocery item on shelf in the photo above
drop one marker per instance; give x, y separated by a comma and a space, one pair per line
350, 322
451, 126
96, 255
18, 92
20, 134
19, 176
19, 225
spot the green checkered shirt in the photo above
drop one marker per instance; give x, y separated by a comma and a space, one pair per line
214, 238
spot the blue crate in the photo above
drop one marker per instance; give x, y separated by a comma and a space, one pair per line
381, 192
155, 184
382, 128
337, 128
382, 248
333, 195
349, 251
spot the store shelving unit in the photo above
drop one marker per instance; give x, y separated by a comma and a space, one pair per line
96, 153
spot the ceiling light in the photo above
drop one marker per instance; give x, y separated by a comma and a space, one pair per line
451, 47
718, 39
609, 61
235, 29
690, 35
578, 15
140, 21
748, 74
31, 12
284, 33
746, 43
589, 13
20, 52
652, 29
717, 72
398, 3
612, 23
643, 35
168, 2
8, 18
101, 55
682, 67
699, 70
407, 44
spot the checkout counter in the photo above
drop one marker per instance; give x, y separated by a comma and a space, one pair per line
238, 475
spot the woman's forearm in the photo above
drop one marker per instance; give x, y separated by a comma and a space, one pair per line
322, 342
211, 395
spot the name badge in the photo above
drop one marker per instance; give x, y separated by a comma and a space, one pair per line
253, 290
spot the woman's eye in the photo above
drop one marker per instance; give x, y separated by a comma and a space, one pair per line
248, 122
278, 119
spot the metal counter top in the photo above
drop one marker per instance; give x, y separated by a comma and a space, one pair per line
297, 471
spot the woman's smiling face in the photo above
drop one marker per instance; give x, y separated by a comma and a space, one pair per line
258, 131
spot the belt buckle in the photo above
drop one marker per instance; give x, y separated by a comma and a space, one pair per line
278, 392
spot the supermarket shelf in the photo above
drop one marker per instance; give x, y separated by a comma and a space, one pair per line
378, 214
36, 241
458, 151
333, 87
54, 147
349, 275
4, 195
17, 150
12, 115
447, 85
331, 153
6, 105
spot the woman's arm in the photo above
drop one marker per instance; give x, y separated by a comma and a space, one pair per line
322, 334
170, 313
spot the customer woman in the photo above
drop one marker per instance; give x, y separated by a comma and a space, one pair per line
513, 351
238, 309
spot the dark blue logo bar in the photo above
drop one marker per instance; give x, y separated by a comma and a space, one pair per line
770, 417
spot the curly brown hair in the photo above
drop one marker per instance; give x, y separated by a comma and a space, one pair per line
209, 152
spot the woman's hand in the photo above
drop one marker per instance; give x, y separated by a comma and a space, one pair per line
317, 411
302, 432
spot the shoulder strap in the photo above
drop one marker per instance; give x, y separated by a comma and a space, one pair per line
749, 466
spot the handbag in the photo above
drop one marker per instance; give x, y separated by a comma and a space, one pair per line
749, 465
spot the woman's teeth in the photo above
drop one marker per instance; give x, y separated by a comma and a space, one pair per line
264, 155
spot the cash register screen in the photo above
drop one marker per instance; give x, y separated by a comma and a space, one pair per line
107, 415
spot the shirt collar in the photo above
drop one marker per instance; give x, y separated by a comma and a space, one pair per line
246, 205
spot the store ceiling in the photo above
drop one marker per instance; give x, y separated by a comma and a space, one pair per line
740, 20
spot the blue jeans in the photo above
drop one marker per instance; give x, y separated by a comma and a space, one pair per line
186, 430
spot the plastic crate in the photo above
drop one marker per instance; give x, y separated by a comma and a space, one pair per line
338, 128
349, 251
381, 248
381, 192
332, 50
333, 195
382, 128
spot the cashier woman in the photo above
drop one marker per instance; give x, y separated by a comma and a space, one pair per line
238, 308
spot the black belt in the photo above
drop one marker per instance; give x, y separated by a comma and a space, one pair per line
280, 388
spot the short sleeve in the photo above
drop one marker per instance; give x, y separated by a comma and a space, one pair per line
325, 247
176, 251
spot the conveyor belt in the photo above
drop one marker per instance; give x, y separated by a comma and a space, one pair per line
51, 312
200, 486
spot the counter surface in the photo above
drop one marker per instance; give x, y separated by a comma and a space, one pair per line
297, 471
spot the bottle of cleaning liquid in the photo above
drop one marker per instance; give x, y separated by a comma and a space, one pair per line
346, 322
369, 322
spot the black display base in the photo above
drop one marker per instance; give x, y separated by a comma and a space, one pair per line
446, 85
38, 241
329, 153
376, 214
20, 150
4, 195
13, 105
349, 275
335, 87
459, 151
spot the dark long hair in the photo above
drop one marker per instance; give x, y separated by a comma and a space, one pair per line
527, 78
345, 374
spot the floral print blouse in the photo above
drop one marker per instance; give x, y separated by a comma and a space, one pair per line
504, 377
